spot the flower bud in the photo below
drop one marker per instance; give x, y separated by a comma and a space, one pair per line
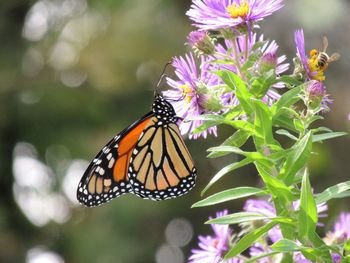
267, 62
201, 42
209, 99
316, 95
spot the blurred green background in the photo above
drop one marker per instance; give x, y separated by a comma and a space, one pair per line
73, 73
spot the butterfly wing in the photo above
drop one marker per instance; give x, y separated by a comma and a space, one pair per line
106, 176
160, 165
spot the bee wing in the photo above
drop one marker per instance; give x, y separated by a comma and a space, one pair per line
334, 57
325, 44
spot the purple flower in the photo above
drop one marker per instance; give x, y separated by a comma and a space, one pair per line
266, 208
308, 66
316, 95
200, 41
341, 230
221, 14
192, 93
268, 50
213, 248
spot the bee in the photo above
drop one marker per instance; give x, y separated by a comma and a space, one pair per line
321, 58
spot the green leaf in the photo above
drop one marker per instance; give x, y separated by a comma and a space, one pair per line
233, 113
225, 170
298, 125
243, 125
228, 195
218, 119
249, 239
260, 256
285, 245
327, 136
346, 247
237, 218
232, 149
242, 217
223, 61
307, 211
276, 187
261, 84
296, 159
290, 80
242, 93
284, 119
286, 133
286, 100
322, 250
332, 192
313, 118
204, 127
263, 124
321, 129
237, 139
208, 117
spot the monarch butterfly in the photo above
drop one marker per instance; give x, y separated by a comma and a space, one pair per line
149, 158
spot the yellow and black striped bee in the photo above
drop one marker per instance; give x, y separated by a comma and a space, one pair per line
321, 58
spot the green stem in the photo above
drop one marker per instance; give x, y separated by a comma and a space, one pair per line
246, 46
238, 64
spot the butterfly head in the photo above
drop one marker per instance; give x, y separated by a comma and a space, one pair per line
164, 110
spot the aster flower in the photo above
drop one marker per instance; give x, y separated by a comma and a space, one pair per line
194, 93
316, 96
201, 42
305, 66
274, 234
266, 208
268, 51
223, 14
213, 248
341, 230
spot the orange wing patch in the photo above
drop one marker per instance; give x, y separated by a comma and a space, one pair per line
125, 148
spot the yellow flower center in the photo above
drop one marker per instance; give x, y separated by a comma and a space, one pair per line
314, 66
238, 10
186, 92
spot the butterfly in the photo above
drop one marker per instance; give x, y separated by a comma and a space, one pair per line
149, 159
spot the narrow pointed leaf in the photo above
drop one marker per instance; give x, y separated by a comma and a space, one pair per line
226, 170
286, 133
308, 210
234, 82
277, 188
327, 136
296, 159
229, 195
285, 245
249, 239
332, 192
263, 123
260, 256
286, 100
237, 139
237, 218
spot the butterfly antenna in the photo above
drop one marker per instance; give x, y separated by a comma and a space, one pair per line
162, 76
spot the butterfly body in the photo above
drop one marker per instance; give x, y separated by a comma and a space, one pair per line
148, 158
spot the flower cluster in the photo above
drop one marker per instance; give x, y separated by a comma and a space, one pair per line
234, 76
213, 248
225, 39
312, 69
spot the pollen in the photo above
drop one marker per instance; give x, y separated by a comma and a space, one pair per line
187, 92
314, 66
238, 10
